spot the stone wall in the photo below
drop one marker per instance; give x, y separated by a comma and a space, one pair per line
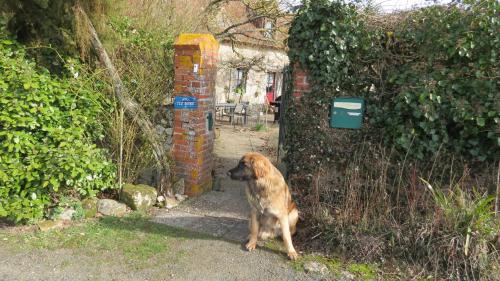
165, 126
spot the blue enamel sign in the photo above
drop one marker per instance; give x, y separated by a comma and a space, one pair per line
185, 102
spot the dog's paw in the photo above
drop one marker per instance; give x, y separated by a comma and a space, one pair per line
251, 245
293, 255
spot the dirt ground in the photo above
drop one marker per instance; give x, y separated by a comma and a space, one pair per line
191, 259
218, 256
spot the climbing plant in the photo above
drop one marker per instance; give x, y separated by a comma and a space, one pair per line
430, 76
430, 80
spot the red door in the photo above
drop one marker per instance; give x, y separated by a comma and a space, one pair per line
270, 93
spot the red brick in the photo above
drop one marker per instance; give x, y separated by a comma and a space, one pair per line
202, 86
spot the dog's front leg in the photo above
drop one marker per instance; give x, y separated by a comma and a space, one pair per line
254, 230
287, 237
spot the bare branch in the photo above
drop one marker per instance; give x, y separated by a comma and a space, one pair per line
229, 28
218, 17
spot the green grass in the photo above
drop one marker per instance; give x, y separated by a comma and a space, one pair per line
274, 245
366, 271
134, 238
260, 127
335, 266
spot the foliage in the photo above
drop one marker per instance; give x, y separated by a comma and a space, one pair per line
143, 55
138, 36
79, 211
47, 129
430, 79
468, 222
67, 202
473, 213
48, 23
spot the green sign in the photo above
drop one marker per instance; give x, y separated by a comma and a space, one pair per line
347, 113
210, 121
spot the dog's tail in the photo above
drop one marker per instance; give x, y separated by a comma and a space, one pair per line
293, 217
293, 212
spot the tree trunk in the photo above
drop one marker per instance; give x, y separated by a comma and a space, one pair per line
497, 195
132, 108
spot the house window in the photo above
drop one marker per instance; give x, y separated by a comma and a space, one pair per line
268, 29
238, 82
239, 78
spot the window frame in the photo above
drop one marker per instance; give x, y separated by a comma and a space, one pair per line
268, 31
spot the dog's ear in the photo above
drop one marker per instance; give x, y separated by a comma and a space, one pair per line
260, 167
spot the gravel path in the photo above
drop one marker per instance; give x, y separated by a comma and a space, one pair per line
224, 214
198, 260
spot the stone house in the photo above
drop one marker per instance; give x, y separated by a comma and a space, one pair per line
251, 58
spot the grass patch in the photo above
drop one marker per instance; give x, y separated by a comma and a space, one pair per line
260, 127
333, 265
134, 237
365, 271
336, 266
274, 245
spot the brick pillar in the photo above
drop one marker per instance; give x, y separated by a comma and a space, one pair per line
194, 91
300, 82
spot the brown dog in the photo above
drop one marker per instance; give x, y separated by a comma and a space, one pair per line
273, 212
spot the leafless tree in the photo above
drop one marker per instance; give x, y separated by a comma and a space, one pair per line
219, 23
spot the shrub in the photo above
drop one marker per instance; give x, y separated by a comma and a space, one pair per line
143, 55
47, 129
430, 76
430, 81
462, 233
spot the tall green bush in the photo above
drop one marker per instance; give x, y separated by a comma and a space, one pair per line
446, 93
48, 127
430, 80
430, 76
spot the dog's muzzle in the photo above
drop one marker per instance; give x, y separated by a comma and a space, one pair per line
236, 174
232, 174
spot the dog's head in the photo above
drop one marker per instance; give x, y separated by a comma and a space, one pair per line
251, 166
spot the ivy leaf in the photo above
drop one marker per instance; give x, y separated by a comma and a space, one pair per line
480, 122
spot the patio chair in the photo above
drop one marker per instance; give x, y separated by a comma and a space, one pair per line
225, 112
254, 114
238, 113
218, 113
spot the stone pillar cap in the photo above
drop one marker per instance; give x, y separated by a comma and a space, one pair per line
206, 42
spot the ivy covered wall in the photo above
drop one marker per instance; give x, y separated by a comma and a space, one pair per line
430, 81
